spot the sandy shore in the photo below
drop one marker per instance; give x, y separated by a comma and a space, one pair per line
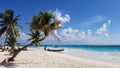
34, 58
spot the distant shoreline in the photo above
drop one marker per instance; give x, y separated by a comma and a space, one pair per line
75, 45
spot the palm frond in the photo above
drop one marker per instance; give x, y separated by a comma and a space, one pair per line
16, 18
2, 24
29, 39
19, 26
54, 35
55, 24
16, 31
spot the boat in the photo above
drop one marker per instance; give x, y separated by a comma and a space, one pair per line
55, 49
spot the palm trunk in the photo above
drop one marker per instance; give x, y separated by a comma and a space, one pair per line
4, 44
13, 47
19, 50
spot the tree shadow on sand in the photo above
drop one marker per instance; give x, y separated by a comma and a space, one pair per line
8, 65
13, 65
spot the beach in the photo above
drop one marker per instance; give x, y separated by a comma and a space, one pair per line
103, 56
36, 58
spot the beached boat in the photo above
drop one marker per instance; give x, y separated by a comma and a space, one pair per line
55, 49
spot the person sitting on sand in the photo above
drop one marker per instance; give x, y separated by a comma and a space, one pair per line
7, 60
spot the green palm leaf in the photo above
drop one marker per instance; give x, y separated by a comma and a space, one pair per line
9, 26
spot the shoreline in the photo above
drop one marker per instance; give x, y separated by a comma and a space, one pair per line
37, 58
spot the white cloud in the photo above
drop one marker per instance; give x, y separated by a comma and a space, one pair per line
96, 19
23, 38
69, 33
58, 16
109, 22
89, 32
106, 34
103, 30
81, 34
92, 20
75, 36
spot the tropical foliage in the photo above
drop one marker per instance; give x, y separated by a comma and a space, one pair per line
40, 27
9, 26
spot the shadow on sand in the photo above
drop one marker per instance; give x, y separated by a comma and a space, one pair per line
13, 65
8, 65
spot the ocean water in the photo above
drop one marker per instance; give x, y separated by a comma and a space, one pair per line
106, 53
102, 48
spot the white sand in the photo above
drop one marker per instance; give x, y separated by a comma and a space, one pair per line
35, 58
109, 57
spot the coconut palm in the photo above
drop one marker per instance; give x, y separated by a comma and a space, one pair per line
9, 25
40, 27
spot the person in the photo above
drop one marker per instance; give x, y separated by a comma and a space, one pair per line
7, 60
18, 48
45, 48
7, 48
0, 47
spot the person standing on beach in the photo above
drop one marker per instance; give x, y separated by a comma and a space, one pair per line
45, 48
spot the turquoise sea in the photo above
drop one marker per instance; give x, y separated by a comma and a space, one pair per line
105, 48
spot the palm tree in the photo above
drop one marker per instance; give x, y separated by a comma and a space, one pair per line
9, 25
40, 27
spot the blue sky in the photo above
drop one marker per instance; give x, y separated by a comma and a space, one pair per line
85, 21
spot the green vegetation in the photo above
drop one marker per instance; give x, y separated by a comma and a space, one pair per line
40, 27
9, 26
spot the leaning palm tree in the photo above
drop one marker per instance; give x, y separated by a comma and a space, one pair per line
9, 25
40, 27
